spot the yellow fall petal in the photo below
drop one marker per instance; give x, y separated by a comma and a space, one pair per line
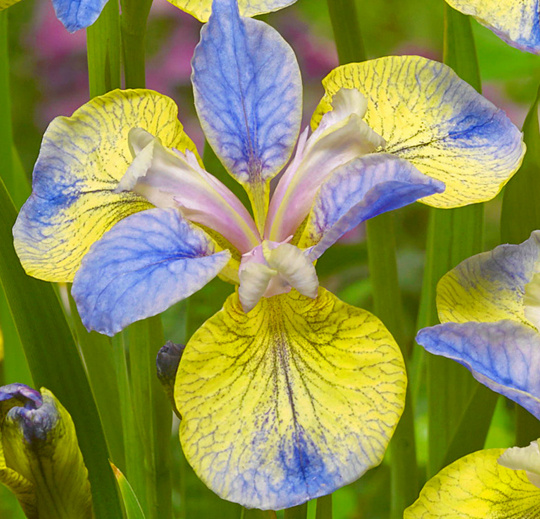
430, 117
82, 159
477, 487
290, 401
201, 9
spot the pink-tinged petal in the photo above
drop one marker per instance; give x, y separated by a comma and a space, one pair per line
169, 178
341, 137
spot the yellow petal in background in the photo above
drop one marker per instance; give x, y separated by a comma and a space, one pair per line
430, 117
81, 161
477, 487
288, 402
201, 9
490, 286
515, 21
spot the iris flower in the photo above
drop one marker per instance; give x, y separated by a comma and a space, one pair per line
490, 309
287, 393
79, 14
517, 22
40, 460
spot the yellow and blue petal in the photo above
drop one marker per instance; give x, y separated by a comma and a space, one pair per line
141, 267
248, 94
516, 22
78, 14
477, 487
430, 117
81, 162
490, 286
40, 460
201, 9
289, 402
359, 190
504, 356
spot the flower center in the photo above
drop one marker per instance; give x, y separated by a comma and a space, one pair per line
274, 268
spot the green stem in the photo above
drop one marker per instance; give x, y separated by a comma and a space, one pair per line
385, 282
98, 357
347, 35
388, 307
133, 28
14, 365
296, 512
324, 507
103, 49
153, 415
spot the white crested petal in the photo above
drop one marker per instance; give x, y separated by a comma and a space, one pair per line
254, 280
295, 267
523, 458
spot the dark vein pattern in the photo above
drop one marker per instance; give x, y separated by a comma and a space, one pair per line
81, 161
477, 487
432, 118
289, 402
248, 94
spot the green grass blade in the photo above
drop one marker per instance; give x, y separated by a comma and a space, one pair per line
153, 415
98, 357
133, 30
521, 210
132, 506
297, 512
324, 507
54, 360
103, 51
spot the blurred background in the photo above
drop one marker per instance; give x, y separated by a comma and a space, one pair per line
49, 79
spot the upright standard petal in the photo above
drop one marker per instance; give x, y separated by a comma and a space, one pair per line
504, 356
516, 22
359, 190
141, 267
248, 94
290, 402
431, 117
81, 161
78, 14
201, 9
490, 286
477, 487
